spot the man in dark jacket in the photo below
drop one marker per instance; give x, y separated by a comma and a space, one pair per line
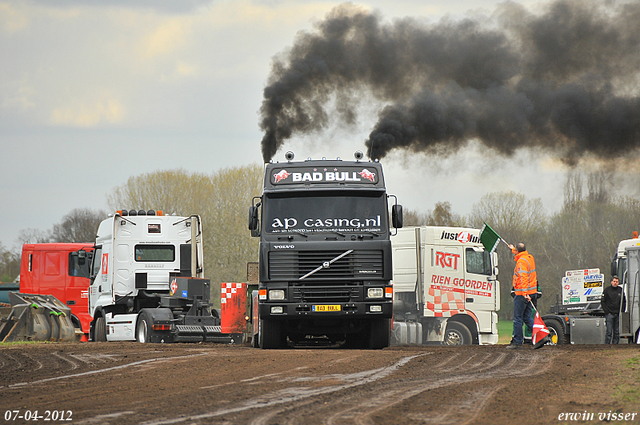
611, 298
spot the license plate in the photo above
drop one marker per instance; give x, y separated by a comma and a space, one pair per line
324, 308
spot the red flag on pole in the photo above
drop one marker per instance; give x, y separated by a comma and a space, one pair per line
540, 334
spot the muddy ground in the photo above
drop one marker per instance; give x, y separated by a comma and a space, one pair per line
131, 383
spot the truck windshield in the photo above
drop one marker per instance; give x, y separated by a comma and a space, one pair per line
96, 262
323, 213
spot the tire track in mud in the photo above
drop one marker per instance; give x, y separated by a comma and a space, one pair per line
55, 361
57, 358
462, 412
366, 397
293, 394
360, 410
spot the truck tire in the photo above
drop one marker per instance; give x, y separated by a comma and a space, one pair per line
457, 334
271, 335
556, 332
380, 334
255, 334
100, 330
356, 341
143, 328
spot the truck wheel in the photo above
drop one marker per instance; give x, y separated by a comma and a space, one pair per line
271, 334
255, 337
355, 341
380, 335
457, 334
100, 330
143, 328
556, 332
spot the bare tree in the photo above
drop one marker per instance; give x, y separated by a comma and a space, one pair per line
573, 191
9, 264
80, 225
172, 191
598, 187
414, 218
33, 236
441, 215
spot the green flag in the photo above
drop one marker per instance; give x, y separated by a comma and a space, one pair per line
489, 238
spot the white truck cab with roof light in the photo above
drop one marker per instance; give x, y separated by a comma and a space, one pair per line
147, 280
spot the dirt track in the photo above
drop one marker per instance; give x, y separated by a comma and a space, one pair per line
116, 383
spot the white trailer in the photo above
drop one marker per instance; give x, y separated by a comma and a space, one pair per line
445, 287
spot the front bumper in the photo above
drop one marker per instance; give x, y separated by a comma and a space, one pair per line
382, 308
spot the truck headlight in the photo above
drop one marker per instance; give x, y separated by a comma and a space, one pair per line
276, 294
375, 292
375, 309
277, 310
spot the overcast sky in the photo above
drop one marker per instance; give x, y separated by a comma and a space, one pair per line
92, 93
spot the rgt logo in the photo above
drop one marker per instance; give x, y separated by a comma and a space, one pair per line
447, 260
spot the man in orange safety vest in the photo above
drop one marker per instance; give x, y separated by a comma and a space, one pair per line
525, 283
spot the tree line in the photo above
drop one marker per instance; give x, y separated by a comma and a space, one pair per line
583, 233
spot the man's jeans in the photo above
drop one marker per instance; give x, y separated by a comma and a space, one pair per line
613, 329
521, 313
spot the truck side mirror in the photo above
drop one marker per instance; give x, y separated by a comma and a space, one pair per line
254, 223
396, 216
82, 257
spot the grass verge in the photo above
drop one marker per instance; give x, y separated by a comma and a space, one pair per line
505, 329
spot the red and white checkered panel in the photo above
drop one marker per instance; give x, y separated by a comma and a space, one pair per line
233, 307
228, 289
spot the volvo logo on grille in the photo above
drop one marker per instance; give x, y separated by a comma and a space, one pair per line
284, 246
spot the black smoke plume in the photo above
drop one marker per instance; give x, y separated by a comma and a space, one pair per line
566, 80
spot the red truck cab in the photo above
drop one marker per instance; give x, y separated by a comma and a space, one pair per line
61, 270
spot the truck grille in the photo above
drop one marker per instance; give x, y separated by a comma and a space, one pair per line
291, 265
340, 294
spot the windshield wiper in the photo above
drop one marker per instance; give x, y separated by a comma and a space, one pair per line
290, 235
336, 232
327, 264
371, 233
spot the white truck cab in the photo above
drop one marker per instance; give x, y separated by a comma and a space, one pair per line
141, 258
